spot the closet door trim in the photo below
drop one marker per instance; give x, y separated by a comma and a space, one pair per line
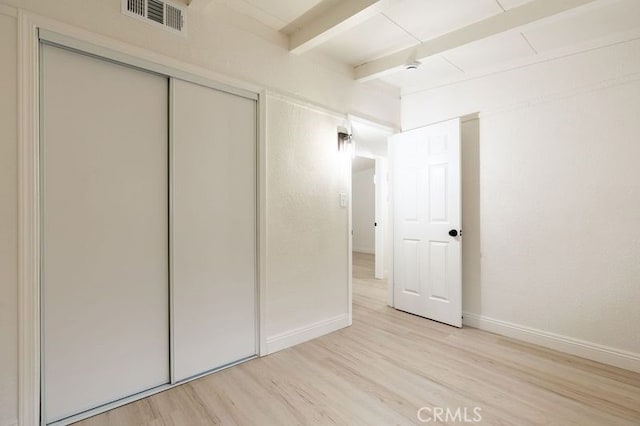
51, 37
32, 29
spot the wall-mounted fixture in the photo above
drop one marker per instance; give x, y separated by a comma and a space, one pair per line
344, 140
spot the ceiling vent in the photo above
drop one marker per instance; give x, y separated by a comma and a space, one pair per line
168, 16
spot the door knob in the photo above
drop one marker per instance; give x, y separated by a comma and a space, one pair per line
453, 233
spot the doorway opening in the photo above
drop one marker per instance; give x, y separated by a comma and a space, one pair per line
370, 234
366, 286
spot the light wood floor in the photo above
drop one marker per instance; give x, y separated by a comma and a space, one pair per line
385, 367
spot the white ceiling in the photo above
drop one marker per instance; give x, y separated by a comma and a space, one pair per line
276, 14
427, 19
620, 16
402, 24
369, 40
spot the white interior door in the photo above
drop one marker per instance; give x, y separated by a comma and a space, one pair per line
104, 205
214, 229
427, 242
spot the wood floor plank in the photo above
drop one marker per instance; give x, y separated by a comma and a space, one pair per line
385, 367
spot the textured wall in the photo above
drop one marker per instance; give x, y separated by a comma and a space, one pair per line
8, 221
551, 193
307, 230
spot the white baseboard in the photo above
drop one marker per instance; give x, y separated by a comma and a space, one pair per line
581, 348
302, 334
364, 250
12, 422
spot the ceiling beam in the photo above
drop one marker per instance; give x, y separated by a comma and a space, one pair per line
344, 15
512, 19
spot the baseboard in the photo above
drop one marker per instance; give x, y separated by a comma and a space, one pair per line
12, 422
581, 348
363, 250
302, 334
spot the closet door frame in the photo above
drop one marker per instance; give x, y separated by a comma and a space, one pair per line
32, 31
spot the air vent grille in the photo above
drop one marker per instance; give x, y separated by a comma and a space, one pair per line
157, 12
174, 18
136, 6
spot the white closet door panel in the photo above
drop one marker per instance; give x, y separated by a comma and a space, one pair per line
105, 231
214, 229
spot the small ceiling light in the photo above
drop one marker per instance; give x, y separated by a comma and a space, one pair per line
413, 65
412, 62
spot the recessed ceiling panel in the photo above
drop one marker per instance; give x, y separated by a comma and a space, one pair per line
432, 71
274, 13
427, 19
373, 38
490, 52
310, 15
592, 24
258, 14
510, 4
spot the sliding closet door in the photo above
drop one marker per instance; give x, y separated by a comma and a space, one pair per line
214, 228
104, 166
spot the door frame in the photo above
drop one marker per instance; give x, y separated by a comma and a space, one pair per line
390, 276
381, 185
388, 252
381, 223
31, 28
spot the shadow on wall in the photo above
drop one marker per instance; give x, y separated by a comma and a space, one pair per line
471, 265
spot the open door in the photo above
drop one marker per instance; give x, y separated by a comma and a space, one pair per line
427, 265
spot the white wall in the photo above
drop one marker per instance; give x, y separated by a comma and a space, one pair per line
363, 210
307, 267
8, 222
306, 289
551, 200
